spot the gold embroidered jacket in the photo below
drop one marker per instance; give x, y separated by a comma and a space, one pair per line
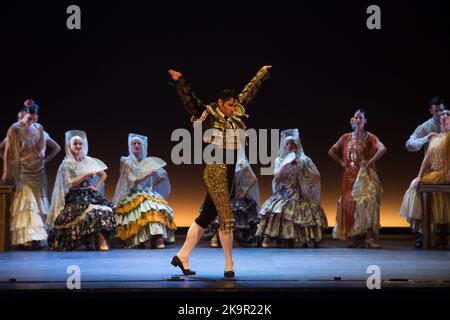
213, 119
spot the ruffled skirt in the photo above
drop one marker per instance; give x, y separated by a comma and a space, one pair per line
288, 215
85, 213
245, 222
359, 208
412, 209
141, 215
29, 209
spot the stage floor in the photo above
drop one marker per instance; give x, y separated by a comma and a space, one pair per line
332, 266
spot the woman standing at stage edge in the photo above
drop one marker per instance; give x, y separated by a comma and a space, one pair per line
223, 116
358, 212
24, 161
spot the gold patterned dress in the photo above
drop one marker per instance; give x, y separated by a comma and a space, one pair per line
359, 205
30, 204
439, 163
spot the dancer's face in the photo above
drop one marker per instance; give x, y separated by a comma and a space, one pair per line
77, 147
137, 147
29, 118
290, 146
227, 107
360, 120
436, 110
445, 119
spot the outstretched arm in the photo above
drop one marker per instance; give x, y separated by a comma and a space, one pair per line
191, 103
418, 139
250, 90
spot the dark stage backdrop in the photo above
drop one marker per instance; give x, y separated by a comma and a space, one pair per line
109, 78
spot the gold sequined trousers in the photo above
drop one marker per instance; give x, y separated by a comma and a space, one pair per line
218, 179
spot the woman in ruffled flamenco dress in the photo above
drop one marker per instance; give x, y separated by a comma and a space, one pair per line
79, 214
435, 169
245, 205
358, 212
143, 215
293, 212
24, 162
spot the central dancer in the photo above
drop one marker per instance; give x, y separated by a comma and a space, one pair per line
222, 116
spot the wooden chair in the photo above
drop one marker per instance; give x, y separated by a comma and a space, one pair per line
6, 193
425, 190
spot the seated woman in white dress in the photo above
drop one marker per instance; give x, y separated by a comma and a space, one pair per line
142, 214
79, 214
293, 212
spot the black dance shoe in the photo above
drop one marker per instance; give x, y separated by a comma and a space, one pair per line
419, 241
176, 262
228, 274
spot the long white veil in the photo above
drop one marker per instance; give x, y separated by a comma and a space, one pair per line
309, 175
243, 178
129, 171
66, 173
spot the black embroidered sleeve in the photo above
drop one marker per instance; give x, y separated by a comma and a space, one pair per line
191, 103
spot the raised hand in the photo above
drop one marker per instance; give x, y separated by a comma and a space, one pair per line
175, 75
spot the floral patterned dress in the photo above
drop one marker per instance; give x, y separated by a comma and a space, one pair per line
85, 213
